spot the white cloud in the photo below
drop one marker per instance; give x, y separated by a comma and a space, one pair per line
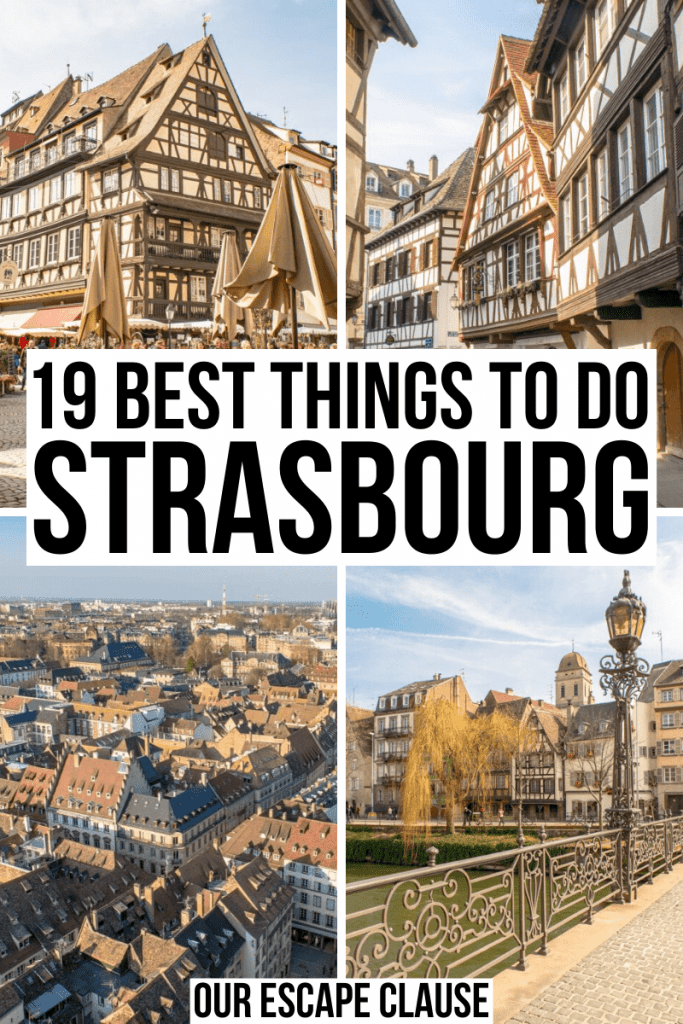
503, 627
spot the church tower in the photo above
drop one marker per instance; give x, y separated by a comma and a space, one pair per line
573, 683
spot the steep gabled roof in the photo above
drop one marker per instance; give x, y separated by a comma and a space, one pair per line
447, 192
150, 105
45, 107
539, 133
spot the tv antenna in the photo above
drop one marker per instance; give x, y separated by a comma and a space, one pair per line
658, 632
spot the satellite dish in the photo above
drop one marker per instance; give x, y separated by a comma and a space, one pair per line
8, 273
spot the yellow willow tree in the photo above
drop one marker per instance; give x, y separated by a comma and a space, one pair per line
453, 760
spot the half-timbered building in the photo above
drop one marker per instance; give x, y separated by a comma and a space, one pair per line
315, 162
368, 23
410, 280
532, 781
613, 73
166, 150
507, 249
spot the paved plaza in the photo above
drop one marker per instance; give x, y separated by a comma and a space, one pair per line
632, 976
13, 450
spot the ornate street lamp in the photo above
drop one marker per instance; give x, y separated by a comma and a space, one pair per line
623, 677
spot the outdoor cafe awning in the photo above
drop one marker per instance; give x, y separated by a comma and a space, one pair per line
52, 316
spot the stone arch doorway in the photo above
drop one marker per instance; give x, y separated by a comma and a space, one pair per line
669, 345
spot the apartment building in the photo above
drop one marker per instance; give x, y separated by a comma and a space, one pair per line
411, 294
666, 737
393, 728
367, 25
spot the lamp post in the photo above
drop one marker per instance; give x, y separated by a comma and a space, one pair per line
372, 774
622, 677
170, 313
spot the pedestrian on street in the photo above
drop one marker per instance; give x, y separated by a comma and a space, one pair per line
501, 817
22, 368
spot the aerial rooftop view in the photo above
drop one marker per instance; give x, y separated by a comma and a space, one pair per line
168, 793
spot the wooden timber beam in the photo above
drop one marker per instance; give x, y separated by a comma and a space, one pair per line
590, 324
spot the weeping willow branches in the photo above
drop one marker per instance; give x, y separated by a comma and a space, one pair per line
452, 761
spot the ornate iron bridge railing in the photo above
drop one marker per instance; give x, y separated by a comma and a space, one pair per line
480, 915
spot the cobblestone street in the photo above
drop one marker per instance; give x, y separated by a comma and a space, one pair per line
632, 976
13, 450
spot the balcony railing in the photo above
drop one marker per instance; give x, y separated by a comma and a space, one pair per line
480, 915
52, 155
156, 309
177, 250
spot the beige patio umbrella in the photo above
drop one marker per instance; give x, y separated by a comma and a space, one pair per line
290, 253
104, 306
225, 312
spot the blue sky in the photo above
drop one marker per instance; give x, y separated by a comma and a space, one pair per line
501, 627
424, 100
305, 583
278, 52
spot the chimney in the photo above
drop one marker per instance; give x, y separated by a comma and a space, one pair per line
508, 689
411, 166
185, 917
433, 167
78, 85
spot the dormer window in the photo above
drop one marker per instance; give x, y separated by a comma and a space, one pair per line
394, 702
371, 183
405, 190
406, 700
382, 703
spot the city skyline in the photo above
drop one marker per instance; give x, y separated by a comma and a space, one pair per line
501, 627
263, 45
280, 584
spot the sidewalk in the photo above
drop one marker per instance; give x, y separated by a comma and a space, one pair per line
631, 971
13, 450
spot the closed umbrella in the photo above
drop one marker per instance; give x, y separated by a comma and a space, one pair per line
290, 253
225, 312
104, 306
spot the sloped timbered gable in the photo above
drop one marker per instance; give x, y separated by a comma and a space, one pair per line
507, 251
